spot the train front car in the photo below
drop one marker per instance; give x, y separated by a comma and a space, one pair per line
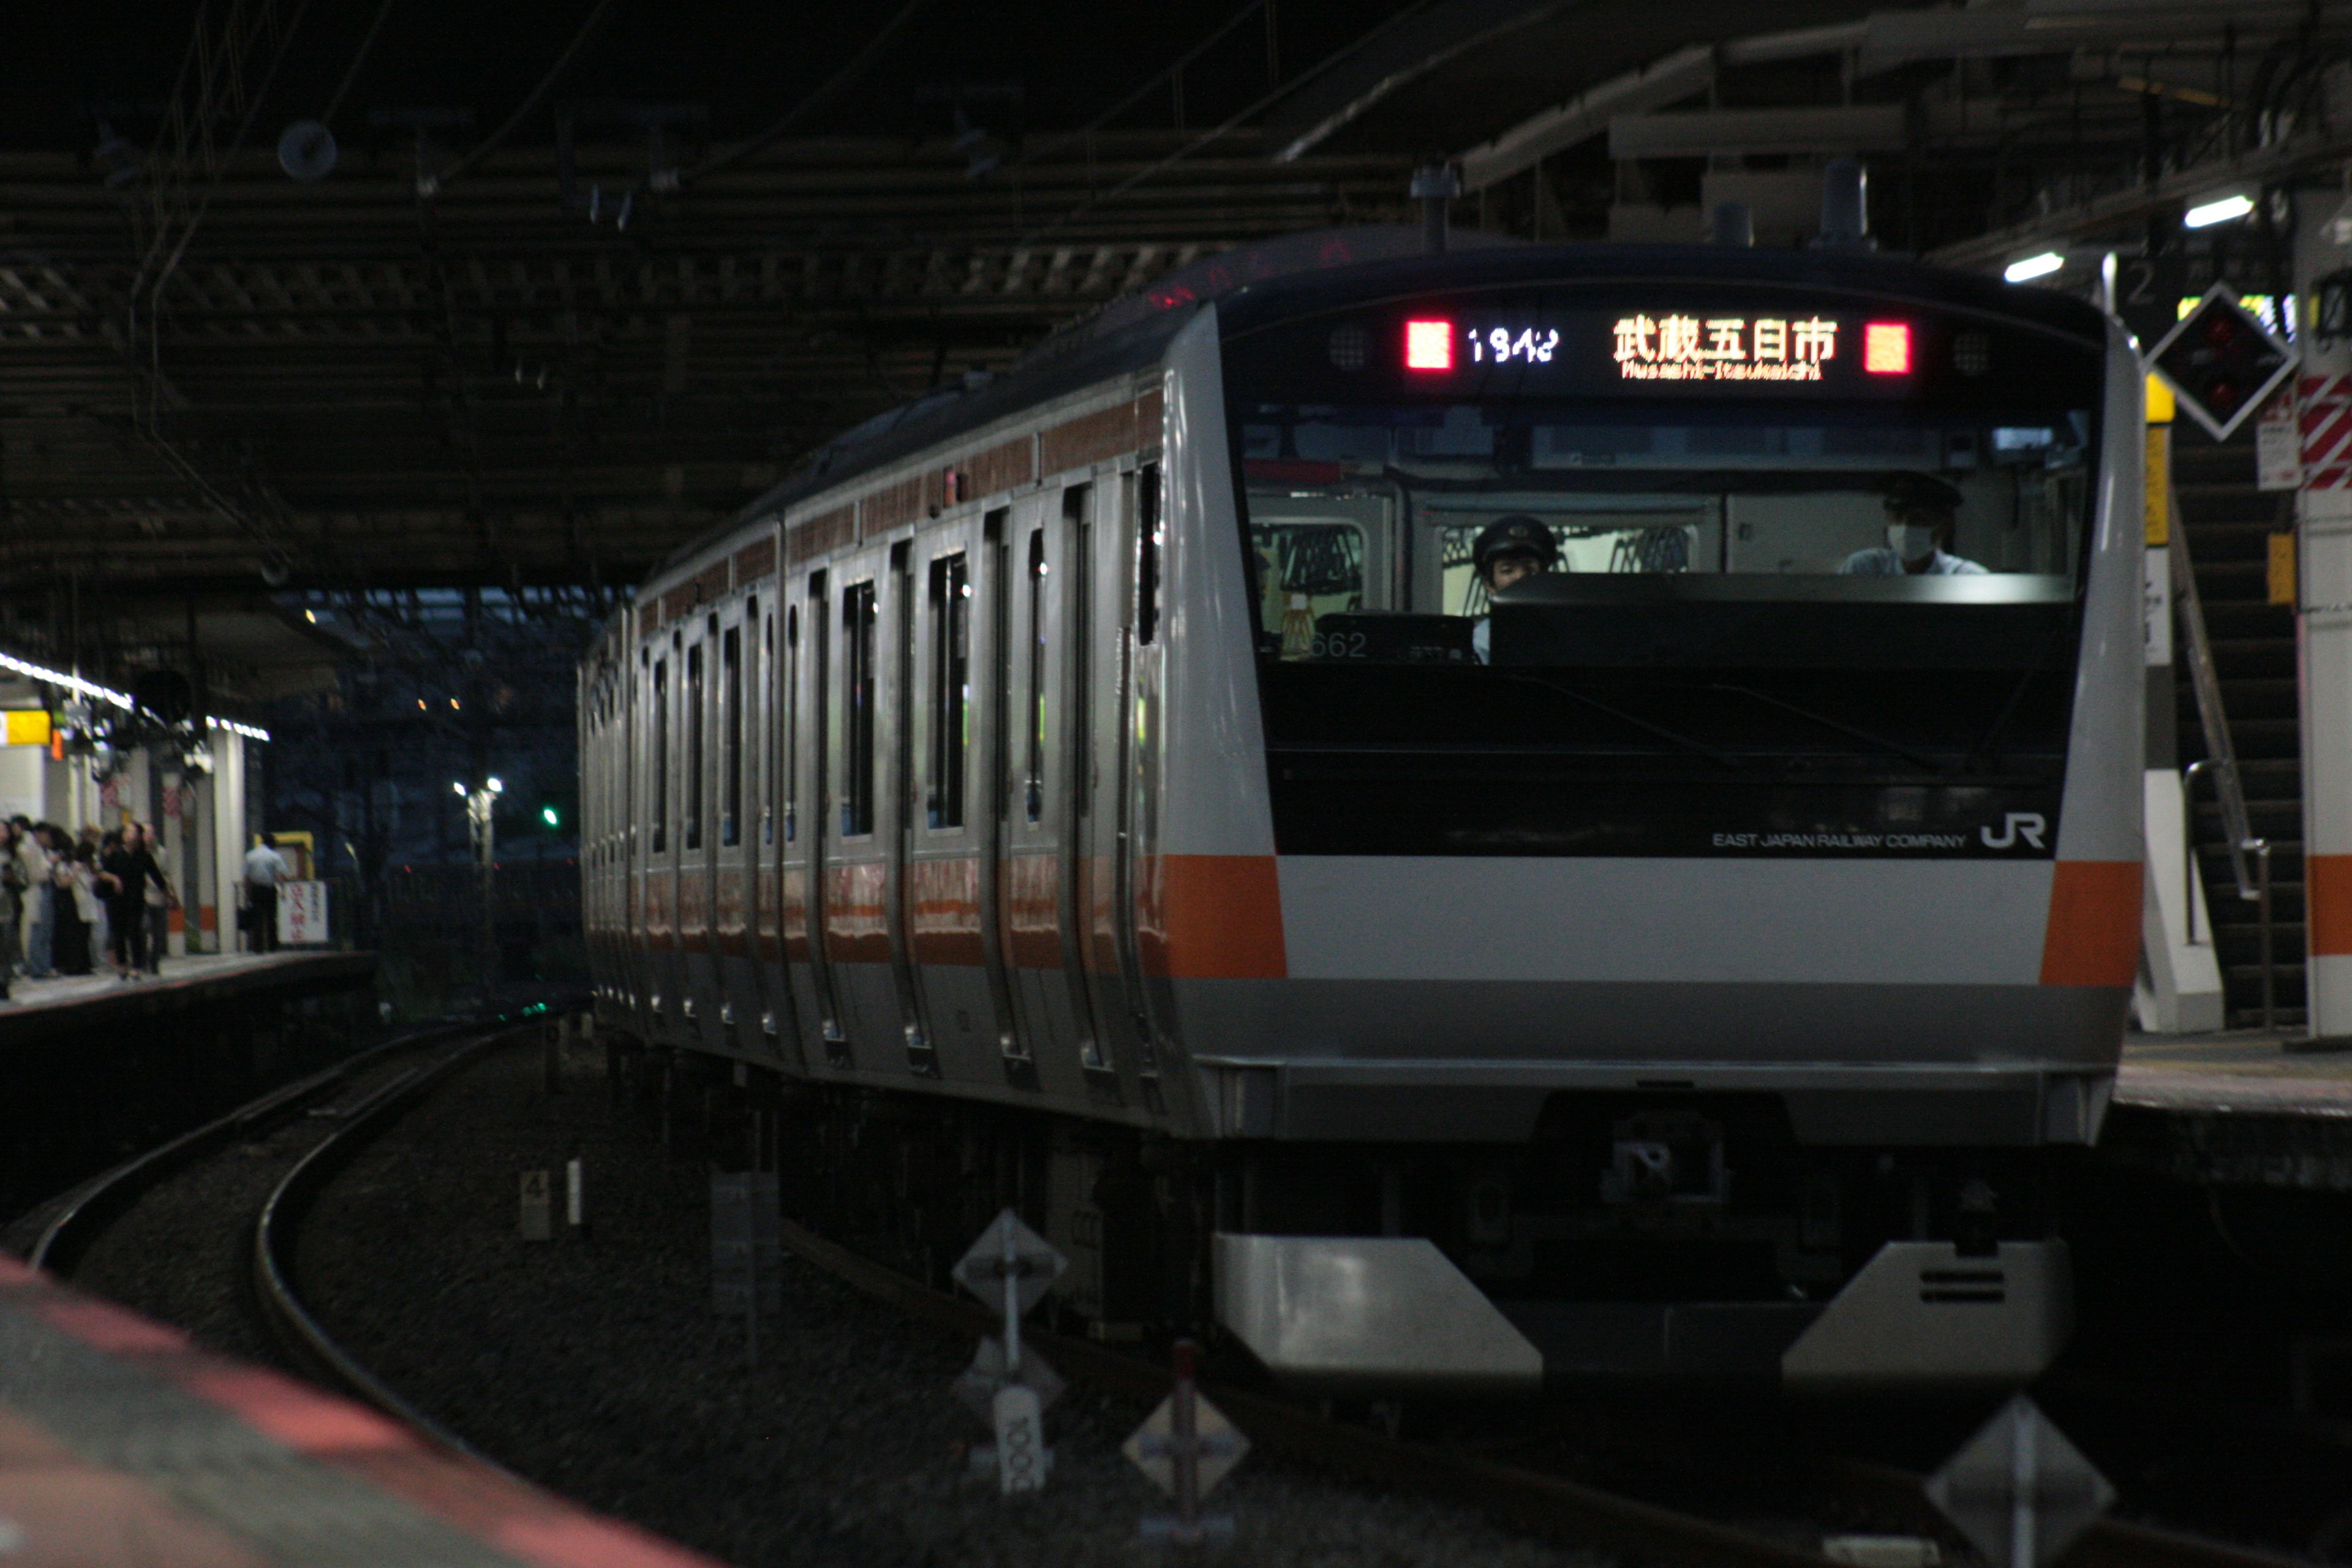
1699, 697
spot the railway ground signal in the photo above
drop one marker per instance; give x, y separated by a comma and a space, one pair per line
1010, 1267
2019, 1489
2221, 361
1185, 1448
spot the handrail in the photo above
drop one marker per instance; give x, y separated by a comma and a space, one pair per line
2221, 752
2222, 757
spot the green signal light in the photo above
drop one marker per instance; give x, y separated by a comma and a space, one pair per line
549, 815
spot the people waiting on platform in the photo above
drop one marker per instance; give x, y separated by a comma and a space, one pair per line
36, 905
125, 869
265, 867
11, 905
78, 916
162, 898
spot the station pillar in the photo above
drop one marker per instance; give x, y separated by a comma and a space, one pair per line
2324, 616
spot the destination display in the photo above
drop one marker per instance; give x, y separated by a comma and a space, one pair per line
1667, 342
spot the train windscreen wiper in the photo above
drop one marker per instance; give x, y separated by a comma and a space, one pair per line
1898, 748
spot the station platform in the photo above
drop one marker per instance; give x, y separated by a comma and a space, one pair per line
122, 1446
36, 1009
2239, 1109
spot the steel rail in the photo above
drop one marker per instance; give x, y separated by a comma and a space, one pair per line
1543, 1504
275, 1235
96, 1204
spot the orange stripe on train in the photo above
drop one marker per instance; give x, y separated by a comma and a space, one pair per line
1211, 917
2092, 938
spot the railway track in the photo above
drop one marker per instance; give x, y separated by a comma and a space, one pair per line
356, 1100
1529, 1496
376, 1097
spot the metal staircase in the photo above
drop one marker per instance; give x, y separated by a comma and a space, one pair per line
2226, 523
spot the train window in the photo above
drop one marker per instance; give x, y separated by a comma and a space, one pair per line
789, 711
950, 738
730, 763
860, 616
659, 764
1147, 555
693, 698
1307, 568
1034, 785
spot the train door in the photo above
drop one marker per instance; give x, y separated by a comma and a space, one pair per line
895, 816
1113, 970
1084, 884
665, 975
1033, 848
766, 847
630, 754
735, 852
857, 881
800, 809
943, 868
1001, 668
699, 998
822, 744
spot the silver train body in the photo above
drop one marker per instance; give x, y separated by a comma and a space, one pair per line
1690, 974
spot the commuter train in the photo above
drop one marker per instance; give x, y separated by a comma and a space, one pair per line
1111, 787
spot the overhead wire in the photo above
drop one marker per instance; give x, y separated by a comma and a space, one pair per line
352, 72
849, 71
489, 144
1150, 86
1258, 105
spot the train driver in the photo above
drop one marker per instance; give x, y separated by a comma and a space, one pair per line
1507, 551
1919, 512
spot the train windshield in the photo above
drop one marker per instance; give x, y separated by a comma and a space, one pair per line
1522, 544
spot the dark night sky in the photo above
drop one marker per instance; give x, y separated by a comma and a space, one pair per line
747, 63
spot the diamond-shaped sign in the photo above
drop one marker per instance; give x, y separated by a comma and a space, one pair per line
1009, 1247
2019, 1489
2221, 361
1219, 1445
977, 1385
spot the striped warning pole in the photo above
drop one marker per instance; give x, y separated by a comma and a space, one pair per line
2323, 600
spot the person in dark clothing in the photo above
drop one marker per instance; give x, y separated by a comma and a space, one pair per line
123, 874
73, 877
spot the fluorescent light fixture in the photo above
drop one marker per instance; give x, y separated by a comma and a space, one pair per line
58, 678
2222, 211
250, 732
2034, 266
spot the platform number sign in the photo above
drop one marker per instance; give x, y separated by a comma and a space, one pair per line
302, 914
2221, 362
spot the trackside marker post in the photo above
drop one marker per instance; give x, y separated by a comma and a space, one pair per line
1186, 1447
538, 1218
2019, 1490
1011, 1267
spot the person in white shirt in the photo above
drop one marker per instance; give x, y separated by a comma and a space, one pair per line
265, 867
1920, 510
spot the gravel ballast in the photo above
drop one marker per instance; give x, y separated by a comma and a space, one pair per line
601, 1371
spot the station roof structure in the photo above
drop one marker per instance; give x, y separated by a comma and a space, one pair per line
579, 283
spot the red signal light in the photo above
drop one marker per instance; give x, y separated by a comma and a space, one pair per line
1886, 348
1429, 346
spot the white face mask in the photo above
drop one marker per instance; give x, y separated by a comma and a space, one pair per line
1910, 541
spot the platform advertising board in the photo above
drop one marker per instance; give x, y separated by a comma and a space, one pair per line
302, 914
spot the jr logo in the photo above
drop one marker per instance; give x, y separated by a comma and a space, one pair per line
2029, 826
